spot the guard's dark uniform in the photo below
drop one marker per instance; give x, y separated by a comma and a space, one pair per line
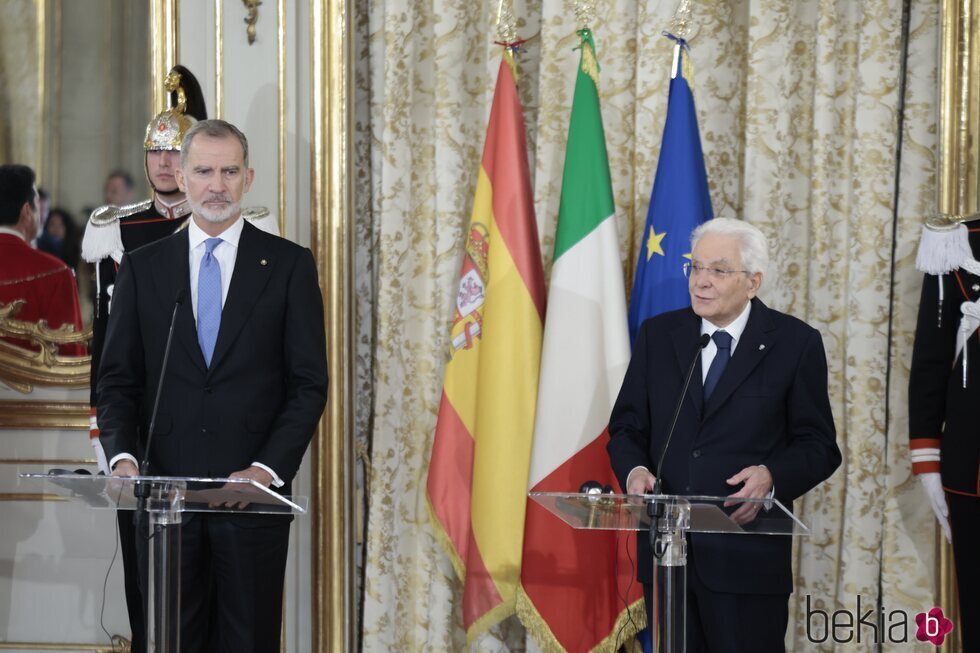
944, 422
138, 224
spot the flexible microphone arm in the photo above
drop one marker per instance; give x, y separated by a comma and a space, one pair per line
702, 343
145, 465
655, 509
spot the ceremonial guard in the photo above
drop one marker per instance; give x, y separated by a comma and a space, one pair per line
944, 392
113, 230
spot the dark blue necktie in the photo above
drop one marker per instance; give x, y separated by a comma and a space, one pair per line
724, 343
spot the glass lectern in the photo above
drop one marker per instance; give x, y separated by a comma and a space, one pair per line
169, 497
673, 517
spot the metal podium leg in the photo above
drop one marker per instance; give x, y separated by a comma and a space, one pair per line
163, 595
670, 580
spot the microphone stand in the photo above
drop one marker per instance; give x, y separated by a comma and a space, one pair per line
670, 546
165, 629
655, 509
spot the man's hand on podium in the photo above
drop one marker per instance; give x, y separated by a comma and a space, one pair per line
125, 468
640, 481
253, 473
757, 484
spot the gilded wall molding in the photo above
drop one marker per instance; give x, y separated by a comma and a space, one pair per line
331, 230
50, 415
959, 162
164, 49
959, 101
119, 645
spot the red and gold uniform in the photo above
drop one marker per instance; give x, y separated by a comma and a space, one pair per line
46, 285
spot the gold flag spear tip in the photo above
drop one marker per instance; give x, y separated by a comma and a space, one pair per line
506, 24
680, 24
585, 14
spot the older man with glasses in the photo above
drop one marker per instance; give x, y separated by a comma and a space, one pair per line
755, 423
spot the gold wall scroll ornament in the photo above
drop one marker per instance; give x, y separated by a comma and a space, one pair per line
22, 368
253, 17
332, 237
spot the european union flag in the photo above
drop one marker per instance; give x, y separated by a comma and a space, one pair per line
679, 202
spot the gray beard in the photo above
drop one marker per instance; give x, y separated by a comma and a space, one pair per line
214, 217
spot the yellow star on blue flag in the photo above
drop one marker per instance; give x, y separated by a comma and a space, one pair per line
653, 243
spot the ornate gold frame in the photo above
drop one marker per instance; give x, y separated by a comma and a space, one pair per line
331, 230
22, 368
959, 163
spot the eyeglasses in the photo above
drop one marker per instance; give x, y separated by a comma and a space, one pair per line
717, 274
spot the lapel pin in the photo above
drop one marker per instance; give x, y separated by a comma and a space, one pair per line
761, 347
976, 287
263, 262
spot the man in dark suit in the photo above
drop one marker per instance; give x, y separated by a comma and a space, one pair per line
245, 385
755, 422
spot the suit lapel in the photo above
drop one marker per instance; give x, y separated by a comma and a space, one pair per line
252, 270
685, 339
753, 346
171, 273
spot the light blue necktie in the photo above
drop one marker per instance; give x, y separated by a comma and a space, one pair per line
209, 300
723, 341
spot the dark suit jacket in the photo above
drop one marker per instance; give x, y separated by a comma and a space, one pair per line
770, 407
261, 398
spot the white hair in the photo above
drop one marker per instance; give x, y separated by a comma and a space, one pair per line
754, 249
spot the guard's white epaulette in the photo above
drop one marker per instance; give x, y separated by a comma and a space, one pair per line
103, 237
943, 247
259, 216
262, 218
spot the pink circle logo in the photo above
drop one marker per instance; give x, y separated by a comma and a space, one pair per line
933, 626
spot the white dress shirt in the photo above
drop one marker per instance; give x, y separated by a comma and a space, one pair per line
226, 253
734, 329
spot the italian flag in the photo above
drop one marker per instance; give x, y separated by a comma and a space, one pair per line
477, 484
578, 591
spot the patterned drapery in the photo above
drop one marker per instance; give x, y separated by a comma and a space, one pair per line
818, 122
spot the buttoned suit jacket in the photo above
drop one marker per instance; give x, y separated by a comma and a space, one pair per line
770, 407
264, 392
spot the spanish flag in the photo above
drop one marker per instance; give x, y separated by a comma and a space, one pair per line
482, 446
578, 591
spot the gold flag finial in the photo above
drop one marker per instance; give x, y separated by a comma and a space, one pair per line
680, 24
506, 23
585, 14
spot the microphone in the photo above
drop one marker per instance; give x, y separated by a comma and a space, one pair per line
142, 491
656, 509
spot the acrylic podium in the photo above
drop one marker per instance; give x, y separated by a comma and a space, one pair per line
169, 498
674, 516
